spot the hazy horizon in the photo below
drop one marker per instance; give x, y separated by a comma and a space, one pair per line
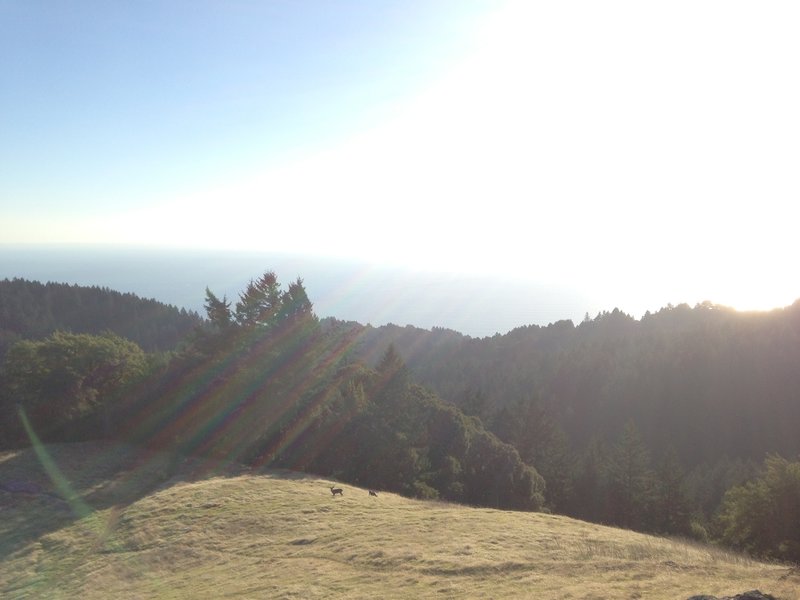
478, 306
622, 153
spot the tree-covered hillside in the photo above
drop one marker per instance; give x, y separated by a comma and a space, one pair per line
707, 381
641, 423
677, 423
263, 382
34, 310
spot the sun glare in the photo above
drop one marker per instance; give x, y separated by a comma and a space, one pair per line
612, 146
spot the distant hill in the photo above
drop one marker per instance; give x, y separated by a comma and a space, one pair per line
33, 310
708, 381
700, 395
127, 524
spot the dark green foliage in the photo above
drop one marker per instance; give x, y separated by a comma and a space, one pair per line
474, 403
630, 480
707, 483
671, 510
269, 385
218, 311
496, 476
375, 428
399, 437
260, 303
70, 385
238, 391
590, 485
294, 302
529, 427
708, 382
710, 389
763, 515
32, 310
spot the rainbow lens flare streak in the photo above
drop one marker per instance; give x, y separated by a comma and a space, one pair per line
78, 506
210, 410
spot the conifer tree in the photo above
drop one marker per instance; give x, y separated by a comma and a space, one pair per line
260, 302
588, 500
294, 301
218, 311
671, 504
630, 480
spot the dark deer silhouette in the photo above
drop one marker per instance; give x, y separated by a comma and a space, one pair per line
335, 490
371, 493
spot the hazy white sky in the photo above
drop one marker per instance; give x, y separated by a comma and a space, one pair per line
645, 152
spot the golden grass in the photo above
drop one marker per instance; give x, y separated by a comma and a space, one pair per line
217, 531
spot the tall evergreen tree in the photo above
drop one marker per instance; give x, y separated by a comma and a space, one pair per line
672, 509
294, 301
218, 311
588, 500
630, 480
260, 302
529, 427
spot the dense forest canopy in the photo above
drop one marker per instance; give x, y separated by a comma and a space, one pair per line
706, 381
679, 422
33, 310
262, 381
640, 423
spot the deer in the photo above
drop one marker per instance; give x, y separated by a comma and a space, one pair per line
335, 490
373, 493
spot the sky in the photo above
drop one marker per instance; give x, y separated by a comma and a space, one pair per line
635, 153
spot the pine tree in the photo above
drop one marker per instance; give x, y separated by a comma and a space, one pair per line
588, 498
630, 480
294, 302
260, 302
218, 311
672, 507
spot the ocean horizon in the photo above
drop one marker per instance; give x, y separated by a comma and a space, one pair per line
476, 305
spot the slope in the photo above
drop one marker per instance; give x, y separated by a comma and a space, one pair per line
147, 525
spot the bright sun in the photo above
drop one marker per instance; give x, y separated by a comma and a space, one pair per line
623, 149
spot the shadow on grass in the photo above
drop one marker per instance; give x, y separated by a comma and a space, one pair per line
95, 476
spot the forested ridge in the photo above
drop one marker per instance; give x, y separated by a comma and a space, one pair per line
681, 422
642, 423
706, 381
263, 382
34, 310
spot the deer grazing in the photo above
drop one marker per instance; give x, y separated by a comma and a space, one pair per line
372, 493
335, 490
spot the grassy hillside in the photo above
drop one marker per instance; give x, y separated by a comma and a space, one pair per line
141, 525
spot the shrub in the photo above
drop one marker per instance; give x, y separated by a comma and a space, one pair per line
763, 516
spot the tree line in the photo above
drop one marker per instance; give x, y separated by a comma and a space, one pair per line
642, 423
263, 382
708, 382
33, 310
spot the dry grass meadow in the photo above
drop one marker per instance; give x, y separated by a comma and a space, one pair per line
143, 526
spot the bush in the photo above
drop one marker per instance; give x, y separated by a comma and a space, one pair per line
424, 491
763, 516
697, 531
